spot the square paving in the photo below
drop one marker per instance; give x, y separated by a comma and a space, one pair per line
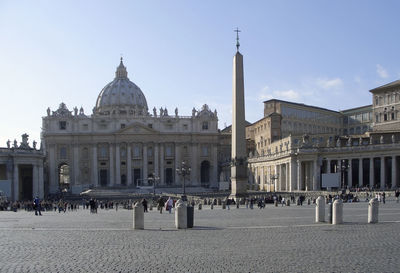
274, 239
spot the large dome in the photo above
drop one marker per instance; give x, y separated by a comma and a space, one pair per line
121, 96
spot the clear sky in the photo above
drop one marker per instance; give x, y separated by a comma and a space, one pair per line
323, 53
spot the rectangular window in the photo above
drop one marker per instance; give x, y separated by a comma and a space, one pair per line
136, 151
168, 151
63, 125
204, 151
122, 125
150, 125
63, 153
205, 125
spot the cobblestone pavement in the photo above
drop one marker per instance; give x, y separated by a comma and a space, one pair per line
275, 239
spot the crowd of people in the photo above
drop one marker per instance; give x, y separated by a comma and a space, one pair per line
168, 203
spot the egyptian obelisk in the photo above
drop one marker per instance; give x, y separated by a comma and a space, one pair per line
239, 163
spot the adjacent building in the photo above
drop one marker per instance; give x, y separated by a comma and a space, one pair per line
299, 147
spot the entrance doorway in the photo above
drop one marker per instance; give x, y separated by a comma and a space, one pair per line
123, 180
26, 182
103, 177
63, 176
205, 174
169, 177
137, 177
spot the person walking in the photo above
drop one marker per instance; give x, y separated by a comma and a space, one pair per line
169, 204
144, 203
37, 206
160, 204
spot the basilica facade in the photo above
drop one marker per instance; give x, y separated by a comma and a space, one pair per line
124, 144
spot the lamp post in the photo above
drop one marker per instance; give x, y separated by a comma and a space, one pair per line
274, 177
183, 171
343, 168
154, 178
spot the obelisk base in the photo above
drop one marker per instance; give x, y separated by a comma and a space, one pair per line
239, 187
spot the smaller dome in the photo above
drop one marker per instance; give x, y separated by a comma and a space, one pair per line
121, 96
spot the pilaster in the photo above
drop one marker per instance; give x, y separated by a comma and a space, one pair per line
117, 165
129, 164
145, 162
111, 157
95, 176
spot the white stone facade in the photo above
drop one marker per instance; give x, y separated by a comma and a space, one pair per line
121, 144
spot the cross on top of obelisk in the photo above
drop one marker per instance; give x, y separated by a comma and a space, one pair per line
237, 38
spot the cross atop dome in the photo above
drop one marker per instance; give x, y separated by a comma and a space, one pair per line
121, 71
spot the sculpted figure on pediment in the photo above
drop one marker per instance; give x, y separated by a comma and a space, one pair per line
161, 112
154, 112
8, 144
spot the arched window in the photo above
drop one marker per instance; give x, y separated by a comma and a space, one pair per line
63, 174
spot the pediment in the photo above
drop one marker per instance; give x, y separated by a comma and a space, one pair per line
137, 129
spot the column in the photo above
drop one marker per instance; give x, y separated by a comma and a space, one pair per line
195, 180
276, 179
328, 166
178, 163
156, 160
117, 165
299, 175
95, 173
371, 173
293, 175
16, 182
214, 169
41, 182
288, 177
394, 172
260, 173
316, 171
145, 162
383, 176
281, 179
76, 164
360, 172
35, 180
350, 174
162, 171
111, 157
129, 164
52, 170
305, 182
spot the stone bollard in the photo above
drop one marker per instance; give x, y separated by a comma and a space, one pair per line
180, 215
212, 206
151, 206
138, 216
309, 202
223, 205
298, 201
276, 203
320, 210
288, 202
237, 204
199, 206
373, 209
337, 212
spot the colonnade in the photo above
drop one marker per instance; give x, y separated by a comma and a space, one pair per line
304, 174
124, 169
